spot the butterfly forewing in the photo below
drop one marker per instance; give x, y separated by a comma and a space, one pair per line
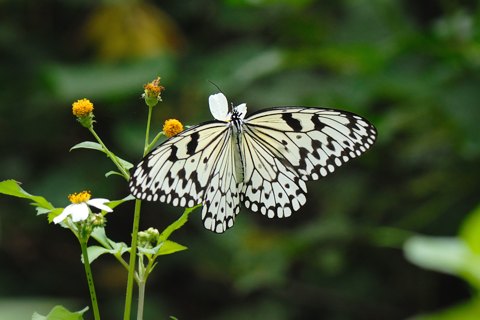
191, 168
313, 141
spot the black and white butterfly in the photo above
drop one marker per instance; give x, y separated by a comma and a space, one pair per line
261, 161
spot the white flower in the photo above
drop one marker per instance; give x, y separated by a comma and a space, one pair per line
79, 210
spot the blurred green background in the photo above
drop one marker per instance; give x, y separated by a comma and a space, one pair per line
410, 67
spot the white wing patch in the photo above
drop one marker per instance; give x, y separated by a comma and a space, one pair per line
218, 106
262, 161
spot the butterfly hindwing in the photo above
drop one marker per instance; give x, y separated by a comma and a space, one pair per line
271, 185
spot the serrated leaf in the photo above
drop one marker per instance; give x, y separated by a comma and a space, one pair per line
61, 313
12, 188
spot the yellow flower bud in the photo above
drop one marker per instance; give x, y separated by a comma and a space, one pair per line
82, 108
172, 127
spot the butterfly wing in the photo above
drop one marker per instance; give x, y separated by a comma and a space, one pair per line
195, 166
292, 145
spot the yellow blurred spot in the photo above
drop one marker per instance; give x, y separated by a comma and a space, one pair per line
126, 29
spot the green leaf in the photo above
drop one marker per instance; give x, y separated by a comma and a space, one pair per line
96, 251
177, 224
169, 247
119, 248
437, 253
96, 146
166, 247
100, 235
53, 213
444, 254
108, 246
61, 313
88, 145
127, 165
468, 310
111, 173
114, 203
12, 188
470, 230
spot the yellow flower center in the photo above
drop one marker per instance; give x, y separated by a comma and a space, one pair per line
79, 197
82, 108
172, 127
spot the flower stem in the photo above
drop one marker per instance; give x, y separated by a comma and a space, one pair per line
147, 131
141, 299
133, 258
91, 285
114, 159
150, 146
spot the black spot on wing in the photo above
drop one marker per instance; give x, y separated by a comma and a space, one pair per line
193, 143
292, 122
173, 156
318, 125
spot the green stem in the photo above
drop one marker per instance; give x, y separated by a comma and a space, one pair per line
91, 285
114, 159
142, 280
147, 131
133, 258
141, 299
150, 146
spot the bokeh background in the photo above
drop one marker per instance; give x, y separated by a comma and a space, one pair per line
410, 67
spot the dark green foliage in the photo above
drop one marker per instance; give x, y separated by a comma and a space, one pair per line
410, 67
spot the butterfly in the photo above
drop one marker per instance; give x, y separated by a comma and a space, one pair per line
261, 161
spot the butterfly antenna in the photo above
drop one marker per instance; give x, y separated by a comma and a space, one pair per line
216, 86
220, 90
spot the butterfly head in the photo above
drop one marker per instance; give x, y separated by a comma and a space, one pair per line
219, 108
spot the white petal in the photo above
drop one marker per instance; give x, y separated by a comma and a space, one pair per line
99, 204
80, 212
65, 213
242, 110
218, 106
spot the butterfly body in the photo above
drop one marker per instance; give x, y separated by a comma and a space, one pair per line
261, 161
